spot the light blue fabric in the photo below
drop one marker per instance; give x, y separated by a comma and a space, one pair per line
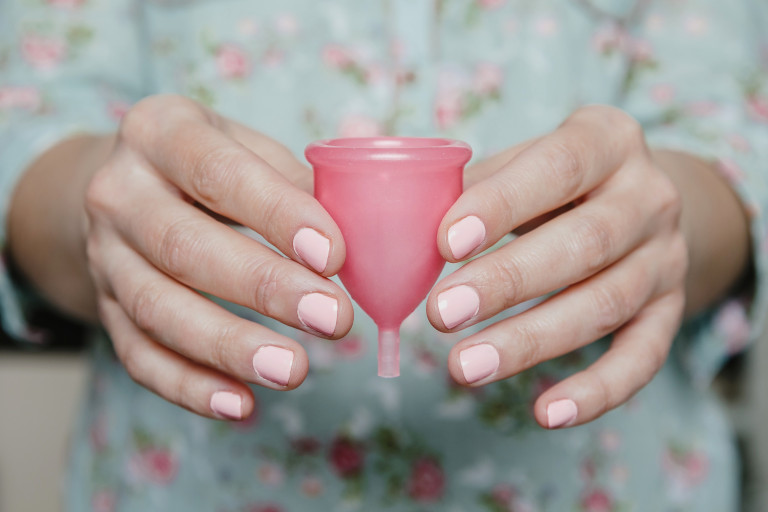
491, 72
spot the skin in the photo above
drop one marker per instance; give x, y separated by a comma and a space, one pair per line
132, 226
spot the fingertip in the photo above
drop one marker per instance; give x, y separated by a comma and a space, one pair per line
322, 251
280, 367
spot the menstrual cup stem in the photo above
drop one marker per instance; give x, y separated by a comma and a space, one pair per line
389, 352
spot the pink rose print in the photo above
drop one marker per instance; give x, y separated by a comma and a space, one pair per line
641, 50
337, 56
738, 141
757, 106
488, 79
232, 61
696, 25
357, 125
312, 486
731, 322
702, 108
588, 469
41, 52
103, 501
66, 4
427, 481
346, 457
117, 109
263, 507
350, 347
23, 97
491, 4
503, 494
730, 170
685, 469
597, 500
610, 440
448, 109
156, 465
662, 94
271, 474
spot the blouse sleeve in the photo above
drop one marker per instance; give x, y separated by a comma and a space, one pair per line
697, 81
66, 67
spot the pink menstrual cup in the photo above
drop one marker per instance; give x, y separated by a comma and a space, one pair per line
388, 196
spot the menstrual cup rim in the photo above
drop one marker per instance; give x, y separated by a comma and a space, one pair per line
350, 150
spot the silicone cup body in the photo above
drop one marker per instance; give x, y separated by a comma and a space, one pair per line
388, 196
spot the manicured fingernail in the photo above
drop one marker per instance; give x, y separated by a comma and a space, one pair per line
561, 413
478, 362
312, 247
465, 236
319, 312
274, 364
229, 405
457, 305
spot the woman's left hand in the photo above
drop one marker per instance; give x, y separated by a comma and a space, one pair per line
601, 220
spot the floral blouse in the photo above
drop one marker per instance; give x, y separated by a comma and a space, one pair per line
490, 72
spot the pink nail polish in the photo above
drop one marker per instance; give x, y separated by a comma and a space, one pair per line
312, 247
274, 364
228, 405
479, 361
561, 413
465, 236
319, 312
457, 305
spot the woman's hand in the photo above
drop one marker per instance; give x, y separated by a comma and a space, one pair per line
152, 244
601, 219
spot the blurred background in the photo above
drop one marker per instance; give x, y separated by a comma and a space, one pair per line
40, 398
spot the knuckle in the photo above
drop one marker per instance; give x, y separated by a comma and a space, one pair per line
529, 345
606, 393
222, 346
593, 243
177, 244
563, 163
181, 394
131, 359
611, 306
670, 203
507, 276
268, 276
144, 307
212, 174
276, 204
99, 194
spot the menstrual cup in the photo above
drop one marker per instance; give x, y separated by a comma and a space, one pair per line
388, 196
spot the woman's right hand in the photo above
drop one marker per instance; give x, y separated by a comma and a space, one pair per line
154, 239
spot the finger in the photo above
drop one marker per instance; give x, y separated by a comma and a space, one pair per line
569, 320
484, 168
275, 154
637, 352
229, 179
202, 253
565, 250
582, 153
185, 322
199, 389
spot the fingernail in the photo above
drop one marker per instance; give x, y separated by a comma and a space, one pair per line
312, 247
457, 305
229, 405
465, 236
274, 364
319, 312
561, 413
478, 362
